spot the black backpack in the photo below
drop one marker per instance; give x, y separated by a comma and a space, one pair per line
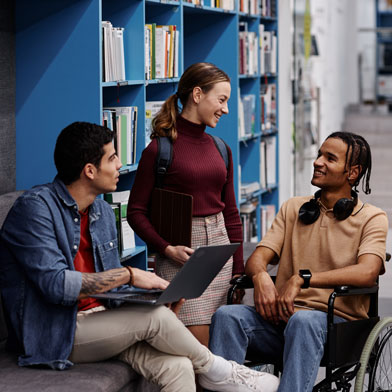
165, 152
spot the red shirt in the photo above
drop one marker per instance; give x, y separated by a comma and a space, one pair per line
84, 260
197, 169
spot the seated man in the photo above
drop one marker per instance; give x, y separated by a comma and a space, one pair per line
58, 246
326, 240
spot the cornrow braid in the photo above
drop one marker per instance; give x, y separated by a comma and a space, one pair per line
358, 153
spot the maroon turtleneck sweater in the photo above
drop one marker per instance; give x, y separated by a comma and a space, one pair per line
197, 169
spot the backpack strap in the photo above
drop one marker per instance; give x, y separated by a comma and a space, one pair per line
222, 148
165, 154
163, 160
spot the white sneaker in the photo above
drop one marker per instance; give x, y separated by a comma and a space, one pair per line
242, 379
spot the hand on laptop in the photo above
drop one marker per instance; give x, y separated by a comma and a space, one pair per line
148, 280
178, 253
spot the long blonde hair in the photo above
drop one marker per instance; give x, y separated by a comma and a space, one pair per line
203, 75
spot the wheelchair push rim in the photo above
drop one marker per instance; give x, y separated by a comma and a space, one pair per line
375, 373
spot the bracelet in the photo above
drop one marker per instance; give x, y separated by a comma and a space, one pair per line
131, 277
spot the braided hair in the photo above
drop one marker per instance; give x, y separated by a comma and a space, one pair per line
358, 153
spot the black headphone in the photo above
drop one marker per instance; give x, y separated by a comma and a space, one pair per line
343, 208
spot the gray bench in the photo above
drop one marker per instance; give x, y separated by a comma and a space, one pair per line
108, 376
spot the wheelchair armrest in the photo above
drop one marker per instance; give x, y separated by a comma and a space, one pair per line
342, 291
242, 282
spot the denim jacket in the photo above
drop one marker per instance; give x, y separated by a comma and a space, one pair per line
39, 285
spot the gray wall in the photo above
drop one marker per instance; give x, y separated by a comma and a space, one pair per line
7, 96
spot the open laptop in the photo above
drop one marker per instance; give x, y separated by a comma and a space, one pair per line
190, 281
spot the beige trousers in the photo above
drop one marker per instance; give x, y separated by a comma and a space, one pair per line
149, 338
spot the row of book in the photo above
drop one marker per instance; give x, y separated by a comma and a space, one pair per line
223, 4
152, 108
248, 215
125, 234
257, 53
268, 162
249, 6
246, 115
247, 111
268, 8
267, 107
113, 63
122, 121
248, 50
268, 51
161, 51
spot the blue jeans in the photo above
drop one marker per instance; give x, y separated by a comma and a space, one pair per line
237, 328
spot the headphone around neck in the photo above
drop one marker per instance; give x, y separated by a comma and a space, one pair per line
343, 208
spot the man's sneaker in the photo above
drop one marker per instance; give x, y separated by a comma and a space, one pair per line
242, 379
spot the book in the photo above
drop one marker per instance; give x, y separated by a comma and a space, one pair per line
248, 215
112, 52
270, 160
119, 204
124, 122
152, 108
171, 215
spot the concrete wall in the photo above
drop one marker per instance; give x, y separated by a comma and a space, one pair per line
7, 97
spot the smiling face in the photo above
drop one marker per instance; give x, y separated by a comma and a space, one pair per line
330, 171
213, 104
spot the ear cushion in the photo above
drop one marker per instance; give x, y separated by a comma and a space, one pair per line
344, 207
309, 212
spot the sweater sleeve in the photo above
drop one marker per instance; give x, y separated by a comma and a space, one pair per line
232, 219
139, 200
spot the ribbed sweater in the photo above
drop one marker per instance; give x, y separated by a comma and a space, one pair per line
197, 169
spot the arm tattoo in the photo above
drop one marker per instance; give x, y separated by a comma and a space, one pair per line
94, 283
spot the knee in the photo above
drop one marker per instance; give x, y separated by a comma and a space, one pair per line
227, 314
307, 322
179, 375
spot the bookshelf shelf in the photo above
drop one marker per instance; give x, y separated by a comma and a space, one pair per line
65, 82
122, 83
128, 169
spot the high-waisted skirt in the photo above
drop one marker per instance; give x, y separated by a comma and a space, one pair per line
208, 230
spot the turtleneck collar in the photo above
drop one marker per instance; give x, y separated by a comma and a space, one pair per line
189, 128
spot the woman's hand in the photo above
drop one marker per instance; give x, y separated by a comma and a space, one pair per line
179, 253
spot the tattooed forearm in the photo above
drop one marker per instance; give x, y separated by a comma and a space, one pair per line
100, 282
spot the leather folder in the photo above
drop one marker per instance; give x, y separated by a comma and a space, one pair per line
171, 216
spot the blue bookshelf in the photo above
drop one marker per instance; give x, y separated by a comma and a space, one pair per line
59, 78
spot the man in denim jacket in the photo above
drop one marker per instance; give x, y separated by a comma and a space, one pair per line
58, 246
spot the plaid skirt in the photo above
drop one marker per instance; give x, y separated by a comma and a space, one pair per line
208, 230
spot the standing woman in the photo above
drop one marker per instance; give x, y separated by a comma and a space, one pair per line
198, 169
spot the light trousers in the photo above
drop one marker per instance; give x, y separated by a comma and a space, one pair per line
149, 338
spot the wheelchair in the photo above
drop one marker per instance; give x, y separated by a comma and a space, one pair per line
360, 349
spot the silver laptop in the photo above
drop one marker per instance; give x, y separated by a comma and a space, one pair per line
190, 281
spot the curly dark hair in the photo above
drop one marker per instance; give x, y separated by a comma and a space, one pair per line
78, 144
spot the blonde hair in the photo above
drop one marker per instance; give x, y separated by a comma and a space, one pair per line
203, 75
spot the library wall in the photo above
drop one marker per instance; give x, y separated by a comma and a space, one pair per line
335, 69
7, 98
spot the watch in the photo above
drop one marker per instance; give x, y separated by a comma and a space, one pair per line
305, 274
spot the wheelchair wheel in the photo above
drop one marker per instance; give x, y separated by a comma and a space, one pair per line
375, 373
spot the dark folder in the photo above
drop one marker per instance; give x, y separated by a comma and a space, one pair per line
171, 216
